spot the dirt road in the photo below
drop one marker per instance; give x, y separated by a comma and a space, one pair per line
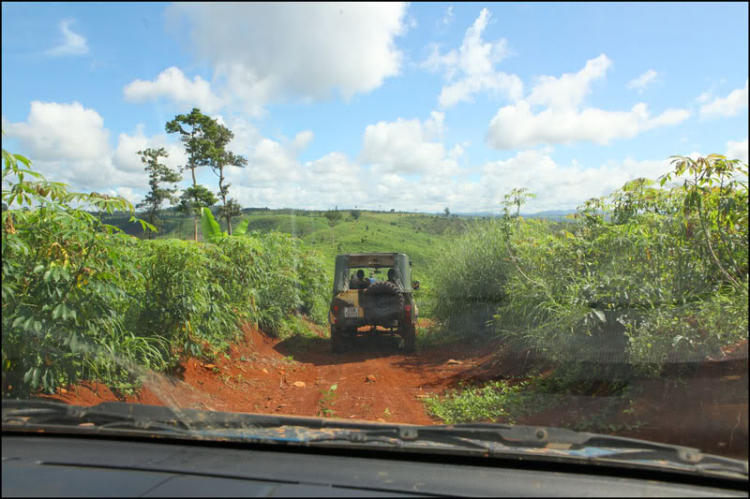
375, 381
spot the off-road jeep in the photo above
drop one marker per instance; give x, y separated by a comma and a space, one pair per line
385, 305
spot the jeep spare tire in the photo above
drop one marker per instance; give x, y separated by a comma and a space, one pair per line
383, 300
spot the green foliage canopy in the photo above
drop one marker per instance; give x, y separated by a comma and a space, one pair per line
159, 175
196, 131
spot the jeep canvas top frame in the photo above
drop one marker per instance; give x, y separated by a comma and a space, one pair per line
398, 261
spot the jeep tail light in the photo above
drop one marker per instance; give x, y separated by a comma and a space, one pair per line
408, 312
333, 315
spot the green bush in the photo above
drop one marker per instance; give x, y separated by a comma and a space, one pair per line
67, 282
182, 298
640, 279
83, 301
689, 333
276, 277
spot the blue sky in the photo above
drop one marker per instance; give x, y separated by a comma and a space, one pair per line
406, 106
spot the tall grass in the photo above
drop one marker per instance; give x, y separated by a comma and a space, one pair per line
471, 279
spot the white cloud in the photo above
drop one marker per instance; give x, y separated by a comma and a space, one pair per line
69, 143
517, 127
475, 61
126, 158
54, 131
275, 178
271, 164
334, 180
558, 186
447, 17
249, 47
737, 150
384, 174
246, 135
731, 105
569, 90
302, 140
563, 120
173, 83
73, 43
271, 160
643, 81
408, 146
125, 154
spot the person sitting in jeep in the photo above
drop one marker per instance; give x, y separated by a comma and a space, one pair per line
392, 276
359, 282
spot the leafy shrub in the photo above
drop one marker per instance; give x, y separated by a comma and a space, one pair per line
275, 276
66, 288
83, 301
640, 279
688, 333
183, 298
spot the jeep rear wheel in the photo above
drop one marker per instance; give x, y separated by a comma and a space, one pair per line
410, 339
337, 340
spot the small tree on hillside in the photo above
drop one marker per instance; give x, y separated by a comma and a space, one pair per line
158, 174
195, 198
333, 217
195, 130
356, 214
220, 136
447, 211
517, 197
230, 210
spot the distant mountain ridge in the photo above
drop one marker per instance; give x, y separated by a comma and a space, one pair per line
551, 214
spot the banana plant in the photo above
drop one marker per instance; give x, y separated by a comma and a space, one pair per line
212, 231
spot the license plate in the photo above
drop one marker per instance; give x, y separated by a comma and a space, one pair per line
351, 312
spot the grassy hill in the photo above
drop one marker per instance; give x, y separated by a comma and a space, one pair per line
417, 235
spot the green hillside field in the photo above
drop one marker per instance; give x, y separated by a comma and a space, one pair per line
420, 236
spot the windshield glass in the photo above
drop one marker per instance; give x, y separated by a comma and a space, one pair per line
548, 203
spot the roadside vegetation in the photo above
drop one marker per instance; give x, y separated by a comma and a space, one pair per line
651, 277
83, 301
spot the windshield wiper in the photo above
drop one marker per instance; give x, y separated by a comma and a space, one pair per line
19, 413
483, 438
498, 439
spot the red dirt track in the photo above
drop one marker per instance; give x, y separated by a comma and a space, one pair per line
265, 381
377, 382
